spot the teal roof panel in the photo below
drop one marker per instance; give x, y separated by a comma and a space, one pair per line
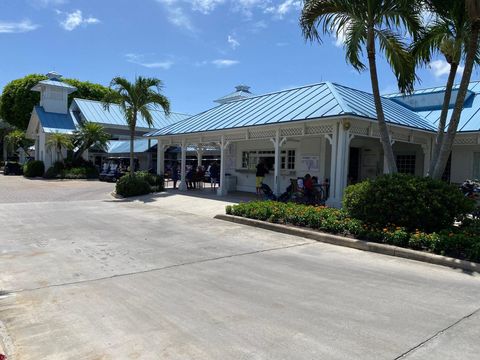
323, 100
53, 122
470, 118
94, 111
123, 146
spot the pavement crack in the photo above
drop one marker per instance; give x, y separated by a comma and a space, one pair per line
437, 334
19, 291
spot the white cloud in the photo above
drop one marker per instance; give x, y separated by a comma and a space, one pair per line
205, 6
441, 68
176, 15
139, 59
45, 3
7, 27
223, 63
233, 42
284, 8
75, 19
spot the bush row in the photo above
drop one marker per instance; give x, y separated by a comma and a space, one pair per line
409, 201
461, 242
140, 183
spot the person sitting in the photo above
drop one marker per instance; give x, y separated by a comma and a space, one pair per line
308, 186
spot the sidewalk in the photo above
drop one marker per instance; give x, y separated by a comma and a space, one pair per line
204, 202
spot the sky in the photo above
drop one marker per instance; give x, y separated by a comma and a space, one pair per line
200, 49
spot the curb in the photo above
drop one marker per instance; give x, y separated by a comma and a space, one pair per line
357, 244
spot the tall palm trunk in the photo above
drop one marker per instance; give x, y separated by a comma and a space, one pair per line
449, 138
443, 116
382, 126
132, 146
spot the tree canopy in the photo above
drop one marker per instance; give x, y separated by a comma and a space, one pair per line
18, 100
141, 96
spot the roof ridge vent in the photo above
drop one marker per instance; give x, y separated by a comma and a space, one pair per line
53, 75
244, 88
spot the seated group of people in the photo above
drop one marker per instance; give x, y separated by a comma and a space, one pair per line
311, 189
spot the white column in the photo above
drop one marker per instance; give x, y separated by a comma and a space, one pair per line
332, 200
323, 150
222, 190
199, 155
183, 170
276, 170
160, 158
341, 177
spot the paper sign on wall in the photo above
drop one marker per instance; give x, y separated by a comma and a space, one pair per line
311, 163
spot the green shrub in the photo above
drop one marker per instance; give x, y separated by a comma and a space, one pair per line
80, 173
406, 201
33, 168
157, 182
51, 173
457, 241
132, 185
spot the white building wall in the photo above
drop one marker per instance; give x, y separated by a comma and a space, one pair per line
54, 99
310, 146
462, 162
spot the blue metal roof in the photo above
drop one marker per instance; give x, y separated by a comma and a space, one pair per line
123, 146
94, 111
53, 122
470, 118
310, 102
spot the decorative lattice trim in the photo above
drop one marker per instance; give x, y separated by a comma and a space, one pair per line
262, 134
465, 141
291, 131
320, 129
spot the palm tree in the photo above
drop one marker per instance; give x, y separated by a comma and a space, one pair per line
448, 35
15, 139
59, 141
140, 97
369, 24
472, 8
87, 135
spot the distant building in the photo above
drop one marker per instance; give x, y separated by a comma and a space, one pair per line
327, 130
53, 115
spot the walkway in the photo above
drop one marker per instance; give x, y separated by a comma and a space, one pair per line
158, 278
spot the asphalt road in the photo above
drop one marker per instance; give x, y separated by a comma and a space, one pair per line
86, 277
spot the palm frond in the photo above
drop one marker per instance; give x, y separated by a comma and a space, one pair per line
398, 57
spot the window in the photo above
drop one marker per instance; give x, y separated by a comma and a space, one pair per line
250, 159
406, 164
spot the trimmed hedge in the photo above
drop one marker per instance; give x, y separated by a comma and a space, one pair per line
132, 185
58, 171
462, 242
34, 168
156, 182
407, 201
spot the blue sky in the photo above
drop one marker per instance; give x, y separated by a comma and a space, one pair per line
201, 49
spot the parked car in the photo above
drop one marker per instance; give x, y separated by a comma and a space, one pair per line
12, 167
115, 167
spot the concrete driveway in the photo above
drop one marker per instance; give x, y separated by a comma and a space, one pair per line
156, 278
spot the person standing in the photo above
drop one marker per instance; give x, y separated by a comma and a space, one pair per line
175, 174
262, 170
214, 174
